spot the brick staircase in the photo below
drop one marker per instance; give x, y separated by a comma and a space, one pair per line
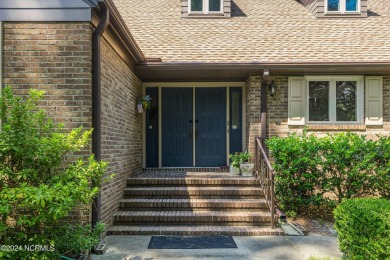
195, 203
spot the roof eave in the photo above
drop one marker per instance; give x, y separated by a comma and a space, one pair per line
189, 71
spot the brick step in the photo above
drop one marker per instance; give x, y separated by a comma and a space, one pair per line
194, 192
193, 181
192, 204
193, 217
195, 230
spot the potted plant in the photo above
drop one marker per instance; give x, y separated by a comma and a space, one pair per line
246, 167
144, 103
234, 168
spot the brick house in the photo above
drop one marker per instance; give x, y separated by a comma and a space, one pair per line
220, 73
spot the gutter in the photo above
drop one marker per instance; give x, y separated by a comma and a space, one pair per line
256, 65
96, 98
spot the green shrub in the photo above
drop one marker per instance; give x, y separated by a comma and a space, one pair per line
346, 165
71, 239
382, 183
348, 161
38, 186
298, 177
363, 226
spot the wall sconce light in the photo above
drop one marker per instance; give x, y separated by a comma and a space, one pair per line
272, 88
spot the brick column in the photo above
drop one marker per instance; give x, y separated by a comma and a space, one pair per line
253, 125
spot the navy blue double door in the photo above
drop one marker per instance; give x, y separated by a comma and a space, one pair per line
194, 128
189, 130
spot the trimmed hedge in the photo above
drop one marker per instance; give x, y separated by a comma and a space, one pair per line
363, 227
342, 165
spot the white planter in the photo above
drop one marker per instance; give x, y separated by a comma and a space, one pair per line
247, 169
234, 170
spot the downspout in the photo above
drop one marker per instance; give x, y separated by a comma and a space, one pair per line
263, 93
96, 101
1, 55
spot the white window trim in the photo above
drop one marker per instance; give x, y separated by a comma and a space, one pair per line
332, 99
205, 8
342, 8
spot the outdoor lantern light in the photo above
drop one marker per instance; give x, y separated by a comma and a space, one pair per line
272, 88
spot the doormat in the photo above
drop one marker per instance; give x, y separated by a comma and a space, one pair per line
191, 242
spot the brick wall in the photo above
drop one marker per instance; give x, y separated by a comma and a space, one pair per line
121, 127
55, 58
277, 108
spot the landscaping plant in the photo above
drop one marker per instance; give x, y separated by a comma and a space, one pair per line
298, 179
314, 172
41, 179
239, 158
363, 227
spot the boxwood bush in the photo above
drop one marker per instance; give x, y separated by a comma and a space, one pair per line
363, 226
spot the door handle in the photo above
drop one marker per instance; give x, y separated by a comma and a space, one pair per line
190, 135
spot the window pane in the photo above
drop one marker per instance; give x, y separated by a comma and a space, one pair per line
333, 5
215, 5
197, 5
235, 110
351, 5
346, 100
319, 101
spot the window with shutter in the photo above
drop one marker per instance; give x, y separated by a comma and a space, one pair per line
327, 100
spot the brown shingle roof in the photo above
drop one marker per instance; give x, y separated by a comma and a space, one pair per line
263, 31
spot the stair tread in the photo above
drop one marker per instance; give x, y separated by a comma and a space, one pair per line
193, 200
195, 230
194, 188
193, 213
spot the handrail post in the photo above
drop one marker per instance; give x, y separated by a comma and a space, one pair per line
272, 198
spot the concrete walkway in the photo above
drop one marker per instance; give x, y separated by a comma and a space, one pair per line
273, 247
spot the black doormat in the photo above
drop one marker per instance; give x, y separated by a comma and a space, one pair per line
191, 242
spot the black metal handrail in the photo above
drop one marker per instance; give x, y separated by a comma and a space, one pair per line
266, 176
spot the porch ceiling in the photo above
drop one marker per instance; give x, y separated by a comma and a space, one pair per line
175, 72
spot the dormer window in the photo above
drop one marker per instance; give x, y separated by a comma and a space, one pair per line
342, 6
205, 7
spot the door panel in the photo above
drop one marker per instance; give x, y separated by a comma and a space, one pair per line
177, 136
152, 129
235, 120
210, 125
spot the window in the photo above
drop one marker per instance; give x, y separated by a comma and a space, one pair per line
342, 6
205, 6
334, 100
